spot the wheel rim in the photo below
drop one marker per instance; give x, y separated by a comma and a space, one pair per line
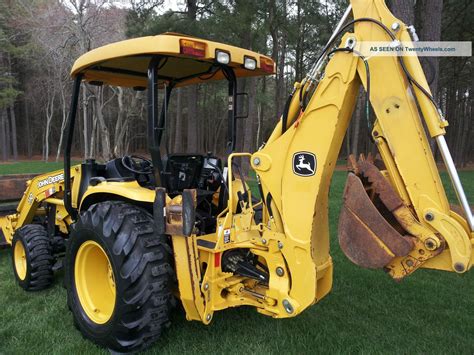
95, 282
20, 260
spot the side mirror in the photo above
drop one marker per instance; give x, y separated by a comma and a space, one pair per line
242, 104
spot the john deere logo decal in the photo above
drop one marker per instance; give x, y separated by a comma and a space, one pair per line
304, 164
50, 180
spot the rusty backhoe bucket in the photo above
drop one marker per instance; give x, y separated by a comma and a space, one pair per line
368, 233
365, 236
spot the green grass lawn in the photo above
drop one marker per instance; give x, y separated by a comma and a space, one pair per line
31, 167
367, 312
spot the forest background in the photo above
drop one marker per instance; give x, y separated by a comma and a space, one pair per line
40, 39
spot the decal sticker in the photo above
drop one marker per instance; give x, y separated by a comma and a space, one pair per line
30, 198
51, 180
226, 236
217, 259
49, 192
304, 164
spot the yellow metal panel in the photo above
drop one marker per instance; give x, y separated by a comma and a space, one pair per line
188, 276
302, 202
130, 190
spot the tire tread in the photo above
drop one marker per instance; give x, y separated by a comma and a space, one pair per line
145, 270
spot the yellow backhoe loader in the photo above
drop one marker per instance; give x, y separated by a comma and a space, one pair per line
137, 235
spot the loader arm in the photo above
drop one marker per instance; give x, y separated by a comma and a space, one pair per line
395, 216
41, 190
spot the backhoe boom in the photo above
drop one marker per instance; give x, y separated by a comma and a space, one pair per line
410, 224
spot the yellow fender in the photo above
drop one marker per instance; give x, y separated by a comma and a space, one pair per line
129, 190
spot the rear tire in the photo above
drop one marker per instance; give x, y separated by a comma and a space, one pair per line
32, 257
140, 275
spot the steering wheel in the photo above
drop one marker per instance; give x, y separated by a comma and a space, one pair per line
137, 164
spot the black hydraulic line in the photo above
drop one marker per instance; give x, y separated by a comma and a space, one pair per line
67, 147
260, 189
269, 205
410, 78
284, 118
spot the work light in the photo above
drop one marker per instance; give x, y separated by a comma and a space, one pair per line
222, 57
250, 63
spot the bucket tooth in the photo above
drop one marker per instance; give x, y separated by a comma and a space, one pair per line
370, 158
379, 184
352, 164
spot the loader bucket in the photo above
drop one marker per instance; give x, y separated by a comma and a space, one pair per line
12, 187
365, 235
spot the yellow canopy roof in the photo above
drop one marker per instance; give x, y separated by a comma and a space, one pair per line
125, 63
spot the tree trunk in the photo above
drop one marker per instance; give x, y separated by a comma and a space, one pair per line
13, 130
299, 41
429, 23
11, 109
357, 119
29, 139
103, 129
93, 142
192, 119
120, 125
49, 118
259, 126
178, 138
63, 123
404, 10
3, 136
273, 21
7, 132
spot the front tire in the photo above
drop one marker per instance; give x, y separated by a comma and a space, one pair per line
119, 276
32, 257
